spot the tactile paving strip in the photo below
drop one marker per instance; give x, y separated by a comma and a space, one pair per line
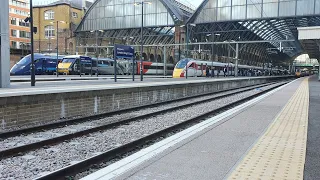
280, 152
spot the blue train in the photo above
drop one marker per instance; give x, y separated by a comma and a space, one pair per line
44, 64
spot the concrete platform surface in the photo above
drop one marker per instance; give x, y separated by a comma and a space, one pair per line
26, 78
210, 150
312, 164
24, 88
280, 151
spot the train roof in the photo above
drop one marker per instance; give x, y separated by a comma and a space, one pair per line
221, 64
76, 56
45, 55
102, 59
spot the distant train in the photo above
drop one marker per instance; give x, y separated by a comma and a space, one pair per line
148, 68
303, 72
76, 64
197, 68
44, 64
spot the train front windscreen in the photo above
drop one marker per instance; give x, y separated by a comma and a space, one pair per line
22, 67
178, 71
182, 64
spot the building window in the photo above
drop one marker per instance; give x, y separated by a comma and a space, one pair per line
13, 44
74, 15
49, 14
22, 23
24, 34
13, 33
17, 3
13, 21
49, 31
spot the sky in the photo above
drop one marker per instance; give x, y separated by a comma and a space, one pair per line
196, 3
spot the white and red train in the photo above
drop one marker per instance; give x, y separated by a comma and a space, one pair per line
197, 68
148, 68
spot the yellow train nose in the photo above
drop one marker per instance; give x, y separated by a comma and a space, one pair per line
177, 73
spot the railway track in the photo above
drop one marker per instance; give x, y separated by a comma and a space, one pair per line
21, 141
126, 146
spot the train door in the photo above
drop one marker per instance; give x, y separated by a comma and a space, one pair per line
197, 69
49, 65
76, 66
39, 66
192, 69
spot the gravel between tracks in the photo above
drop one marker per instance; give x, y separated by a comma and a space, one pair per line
16, 141
44, 160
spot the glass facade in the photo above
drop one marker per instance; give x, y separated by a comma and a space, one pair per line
222, 10
121, 14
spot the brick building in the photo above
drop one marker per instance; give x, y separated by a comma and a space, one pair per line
19, 30
68, 15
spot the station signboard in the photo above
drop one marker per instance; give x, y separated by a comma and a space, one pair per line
122, 51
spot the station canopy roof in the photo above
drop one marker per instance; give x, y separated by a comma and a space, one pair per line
236, 20
259, 20
122, 19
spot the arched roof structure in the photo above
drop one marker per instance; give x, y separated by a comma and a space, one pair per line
259, 20
122, 19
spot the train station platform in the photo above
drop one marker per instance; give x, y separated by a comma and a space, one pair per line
41, 78
274, 136
22, 105
90, 84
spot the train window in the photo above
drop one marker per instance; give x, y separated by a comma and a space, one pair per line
170, 68
182, 64
192, 65
71, 60
51, 61
24, 61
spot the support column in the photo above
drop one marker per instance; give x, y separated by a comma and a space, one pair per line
4, 46
319, 73
237, 55
228, 59
164, 60
177, 40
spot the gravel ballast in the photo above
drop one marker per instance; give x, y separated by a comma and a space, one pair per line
16, 141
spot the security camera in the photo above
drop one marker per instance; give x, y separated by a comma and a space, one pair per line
27, 19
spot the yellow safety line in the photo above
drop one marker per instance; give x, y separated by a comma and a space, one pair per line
280, 152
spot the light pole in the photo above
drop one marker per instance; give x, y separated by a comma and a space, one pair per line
49, 38
141, 57
212, 52
57, 62
33, 76
187, 45
22, 44
96, 49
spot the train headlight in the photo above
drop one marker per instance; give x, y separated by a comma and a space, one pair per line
70, 69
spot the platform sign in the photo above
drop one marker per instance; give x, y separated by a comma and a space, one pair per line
123, 52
